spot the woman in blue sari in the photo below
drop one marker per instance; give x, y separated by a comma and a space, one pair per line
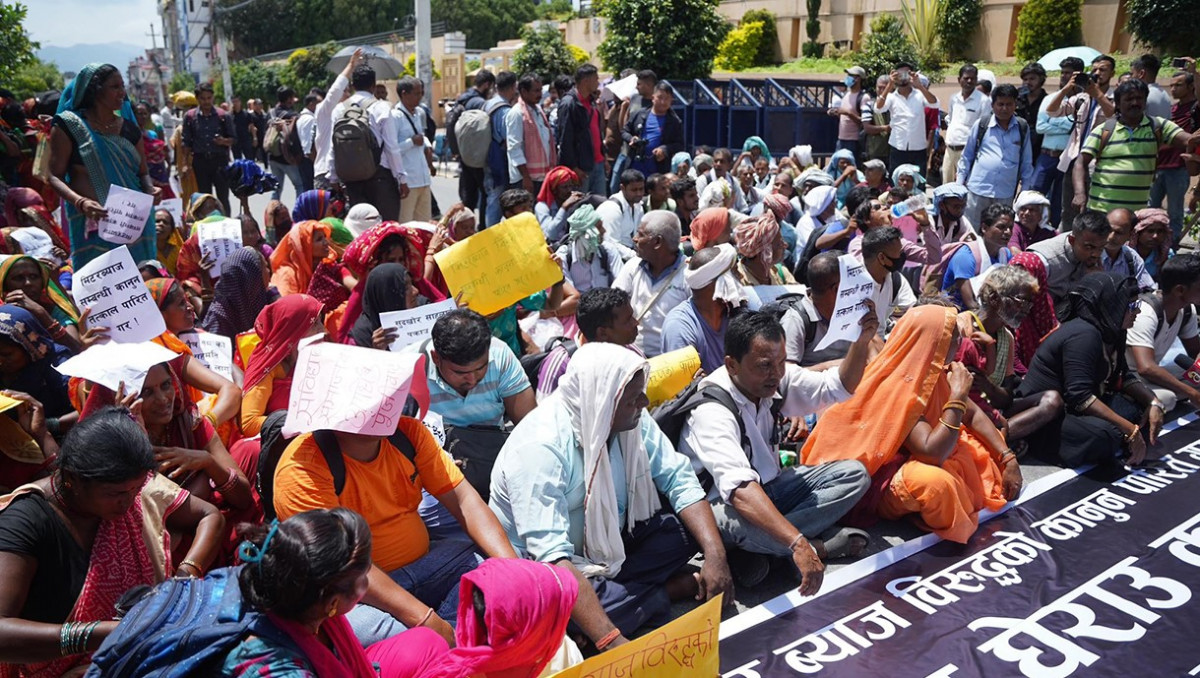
95, 144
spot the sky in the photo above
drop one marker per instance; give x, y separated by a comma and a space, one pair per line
64, 23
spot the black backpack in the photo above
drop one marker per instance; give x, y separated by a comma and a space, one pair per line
808, 252
981, 132
532, 364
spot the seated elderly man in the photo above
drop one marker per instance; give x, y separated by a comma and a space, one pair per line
578, 485
732, 437
701, 321
654, 278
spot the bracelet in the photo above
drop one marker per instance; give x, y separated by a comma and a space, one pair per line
192, 564
795, 541
64, 637
955, 405
1132, 434
87, 636
608, 639
53, 426
228, 484
426, 617
950, 426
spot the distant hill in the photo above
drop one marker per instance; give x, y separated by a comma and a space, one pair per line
75, 57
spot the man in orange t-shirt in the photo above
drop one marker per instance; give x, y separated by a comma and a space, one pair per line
413, 581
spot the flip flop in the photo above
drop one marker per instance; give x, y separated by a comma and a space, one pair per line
841, 544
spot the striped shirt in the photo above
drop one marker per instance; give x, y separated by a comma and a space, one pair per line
484, 404
1125, 166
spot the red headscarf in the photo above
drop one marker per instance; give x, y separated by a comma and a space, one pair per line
555, 178
707, 225
527, 607
19, 199
359, 258
1041, 319
281, 326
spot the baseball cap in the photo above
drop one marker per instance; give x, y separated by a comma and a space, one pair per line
858, 71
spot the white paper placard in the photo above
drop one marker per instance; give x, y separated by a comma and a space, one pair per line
218, 240
112, 287
414, 325
854, 288
128, 212
175, 207
213, 350
111, 364
35, 242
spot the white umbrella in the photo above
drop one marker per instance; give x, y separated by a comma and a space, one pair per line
386, 66
1051, 61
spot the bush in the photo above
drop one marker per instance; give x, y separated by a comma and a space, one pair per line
770, 36
544, 52
252, 79
884, 46
677, 39
958, 25
1044, 25
1147, 24
812, 27
579, 54
306, 68
410, 67
739, 49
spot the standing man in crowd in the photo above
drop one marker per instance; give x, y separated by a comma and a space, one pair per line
618, 118
470, 182
389, 185
654, 134
1171, 178
260, 120
306, 129
1158, 102
966, 107
495, 180
531, 148
850, 113
579, 132
243, 145
1029, 101
1086, 104
279, 166
409, 121
209, 133
905, 99
1055, 134
998, 155
323, 134
876, 124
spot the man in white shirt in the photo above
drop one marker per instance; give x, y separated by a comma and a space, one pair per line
654, 279
966, 107
389, 185
529, 158
622, 212
409, 121
731, 437
323, 134
306, 129
905, 100
1162, 317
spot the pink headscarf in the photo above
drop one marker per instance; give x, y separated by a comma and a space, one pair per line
1152, 216
527, 605
756, 237
779, 205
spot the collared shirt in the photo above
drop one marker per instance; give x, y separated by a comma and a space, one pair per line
515, 133
799, 346
553, 220
380, 120
1125, 167
409, 124
483, 404
712, 439
907, 119
323, 163
200, 130
1085, 115
963, 115
1130, 264
620, 222
652, 298
1056, 131
538, 483
306, 129
994, 169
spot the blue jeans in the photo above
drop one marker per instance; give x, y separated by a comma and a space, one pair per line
594, 182
1173, 185
810, 497
619, 165
492, 213
279, 170
1048, 181
433, 579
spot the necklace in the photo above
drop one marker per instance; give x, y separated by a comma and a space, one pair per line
106, 127
56, 492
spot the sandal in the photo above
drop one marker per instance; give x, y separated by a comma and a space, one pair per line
844, 542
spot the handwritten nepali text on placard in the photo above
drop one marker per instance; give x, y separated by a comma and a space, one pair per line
112, 287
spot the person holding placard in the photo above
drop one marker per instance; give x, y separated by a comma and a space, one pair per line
298, 254
27, 283
168, 238
388, 289
93, 148
268, 380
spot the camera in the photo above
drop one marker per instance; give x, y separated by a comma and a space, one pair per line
1179, 63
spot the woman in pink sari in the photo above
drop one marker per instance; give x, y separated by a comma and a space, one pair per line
72, 544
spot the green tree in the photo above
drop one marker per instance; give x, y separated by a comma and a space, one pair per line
676, 39
16, 49
266, 26
410, 67
958, 25
1044, 25
545, 53
485, 22
556, 10
306, 68
34, 77
812, 27
183, 81
739, 49
922, 19
770, 36
253, 79
885, 46
1147, 24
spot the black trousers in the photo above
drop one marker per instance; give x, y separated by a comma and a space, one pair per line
470, 188
210, 177
380, 190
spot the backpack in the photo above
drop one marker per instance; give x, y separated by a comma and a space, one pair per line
182, 627
356, 152
532, 364
1155, 302
673, 414
275, 140
981, 132
293, 148
808, 252
1110, 126
473, 134
452, 117
783, 303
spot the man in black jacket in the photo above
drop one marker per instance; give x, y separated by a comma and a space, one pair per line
578, 132
654, 134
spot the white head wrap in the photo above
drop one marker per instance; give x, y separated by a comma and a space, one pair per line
361, 217
719, 270
1026, 198
819, 198
801, 155
595, 379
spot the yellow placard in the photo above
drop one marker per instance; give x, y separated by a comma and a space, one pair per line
685, 647
500, 266
7, 403
670, 373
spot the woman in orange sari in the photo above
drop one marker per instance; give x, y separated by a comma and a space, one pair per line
929, 449
298, 254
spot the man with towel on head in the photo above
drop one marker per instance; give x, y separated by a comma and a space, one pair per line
700, 322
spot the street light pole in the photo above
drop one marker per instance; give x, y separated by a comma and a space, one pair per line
424, 48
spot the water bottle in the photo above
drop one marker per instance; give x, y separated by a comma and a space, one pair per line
916, 203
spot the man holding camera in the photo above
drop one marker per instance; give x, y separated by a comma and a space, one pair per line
1087, 104
654, 134
905, 98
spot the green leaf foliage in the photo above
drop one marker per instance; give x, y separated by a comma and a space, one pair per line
958, 25
676, 39
485, 22
410, 67
306, 68
739, 49
1146, 22
1045, 25
16, 49
885, 46
255, 80
185, 82
922, 18
545, 53
768, 44
35, 77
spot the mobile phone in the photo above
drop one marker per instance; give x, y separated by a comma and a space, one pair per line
1178, 62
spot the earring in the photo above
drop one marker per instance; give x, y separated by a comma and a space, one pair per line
332, 611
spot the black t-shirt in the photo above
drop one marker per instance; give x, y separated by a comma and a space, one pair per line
30, 527
129, 130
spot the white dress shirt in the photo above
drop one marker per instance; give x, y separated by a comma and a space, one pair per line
379, 116
963, 114
407, 125
306, 129
908, 119
620, 221
323, 164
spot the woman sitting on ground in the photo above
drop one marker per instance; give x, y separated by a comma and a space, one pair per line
298, 254
1040, 321
27, 361
268, 381
388, 242
1110, 412
241, 293
761, 249
988, 349
388, 289
28, 284
277, 221
929, 449
72, 544
170, 242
